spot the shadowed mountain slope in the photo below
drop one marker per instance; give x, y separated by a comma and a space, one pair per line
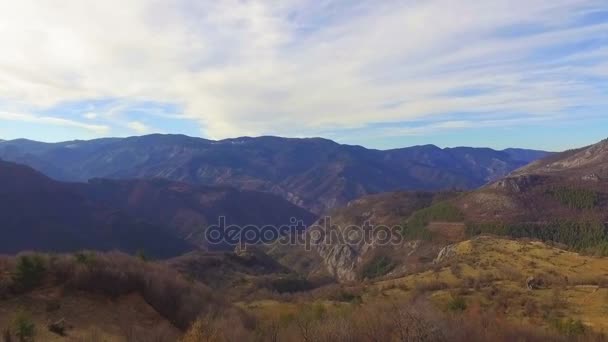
161, 217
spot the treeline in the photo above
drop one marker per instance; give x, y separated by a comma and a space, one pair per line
415, 227
575, 198
585, 236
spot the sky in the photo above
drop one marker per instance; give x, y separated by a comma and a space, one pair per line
382, 74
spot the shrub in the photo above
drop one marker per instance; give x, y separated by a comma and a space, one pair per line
290, 285
377, 267
347, 297
85, 258
29, 272
569, 327
24, 327
457, 304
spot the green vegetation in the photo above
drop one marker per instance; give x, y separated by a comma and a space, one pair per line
24, 327
29, 272
377, 267
415, 227
141, 255
457, 304
587, 236
575, 198
85, 258
347, 297
569, 327
290, 285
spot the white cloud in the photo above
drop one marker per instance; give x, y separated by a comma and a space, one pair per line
264, 67
49, 120
139, 127
90, 115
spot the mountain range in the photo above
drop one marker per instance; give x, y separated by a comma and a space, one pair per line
562, 198
316, 174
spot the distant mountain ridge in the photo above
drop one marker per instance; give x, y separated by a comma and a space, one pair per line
314, 173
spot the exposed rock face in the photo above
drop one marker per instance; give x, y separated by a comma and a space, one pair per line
532, 283
518, 183
445, 253
340, 260
591, 178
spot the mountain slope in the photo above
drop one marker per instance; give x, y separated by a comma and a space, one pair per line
187, 210
161, 217
349, 259
316, 174
589, 162
568, 185
562, 198
37, 213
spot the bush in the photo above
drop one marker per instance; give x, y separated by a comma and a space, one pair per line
85, 258
569, 327
457, 304
290, 285
377, 267
347, 297
29, 272
24, 327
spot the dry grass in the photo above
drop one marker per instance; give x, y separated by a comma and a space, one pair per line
387, 320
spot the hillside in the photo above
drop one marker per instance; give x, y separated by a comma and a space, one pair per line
316, 174
160, 217
493, 274
567, 204
587, 163
483, 289
94, 296
475, 290
187, 210
359, 258
38, 213
562, 198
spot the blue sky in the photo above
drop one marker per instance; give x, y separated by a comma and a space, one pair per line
383, 74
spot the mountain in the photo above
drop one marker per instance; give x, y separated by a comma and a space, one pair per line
316, 174
562, 198
161, 217
587, 163
37, 213
187, 210
567, 185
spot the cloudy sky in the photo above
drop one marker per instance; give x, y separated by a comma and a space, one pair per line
388, 73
